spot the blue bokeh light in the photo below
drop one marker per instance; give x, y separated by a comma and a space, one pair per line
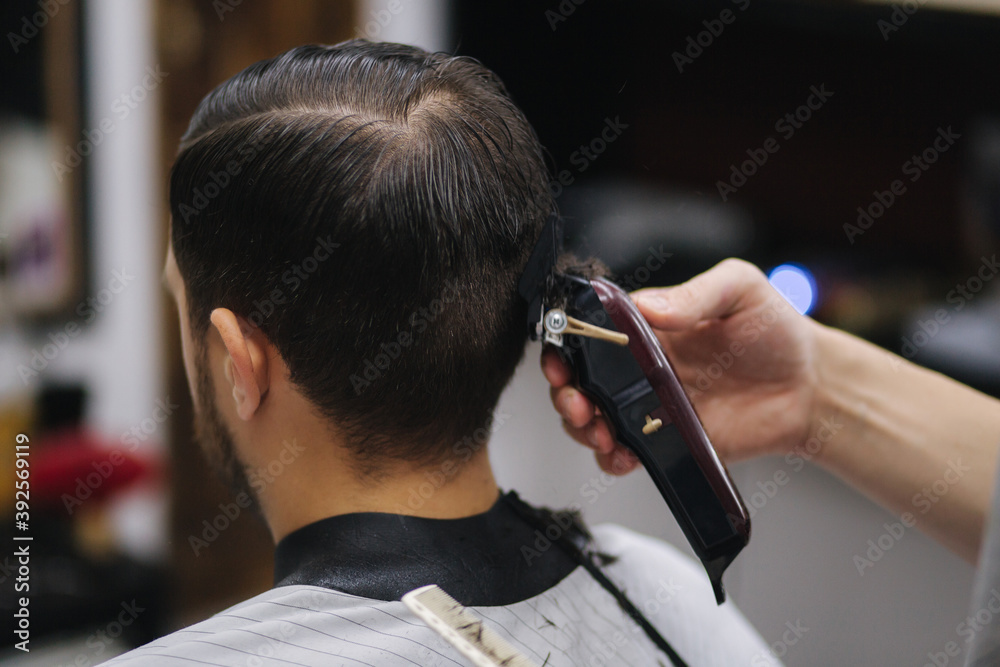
796, 284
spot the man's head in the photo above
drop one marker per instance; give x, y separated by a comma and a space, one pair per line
363, 211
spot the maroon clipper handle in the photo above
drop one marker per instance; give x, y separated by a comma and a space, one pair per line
646, 350
642, 399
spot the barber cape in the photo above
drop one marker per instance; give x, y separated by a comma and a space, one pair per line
517, 568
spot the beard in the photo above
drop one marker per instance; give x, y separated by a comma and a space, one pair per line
214, 437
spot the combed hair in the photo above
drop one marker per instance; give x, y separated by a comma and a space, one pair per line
433, 187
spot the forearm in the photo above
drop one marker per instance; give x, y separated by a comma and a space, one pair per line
913, 440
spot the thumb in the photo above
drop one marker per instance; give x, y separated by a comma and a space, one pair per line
657, 307
721, 291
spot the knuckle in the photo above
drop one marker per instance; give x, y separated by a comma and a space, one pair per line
743, 269
687, 294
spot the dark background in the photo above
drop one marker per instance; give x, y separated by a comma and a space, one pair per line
890, 96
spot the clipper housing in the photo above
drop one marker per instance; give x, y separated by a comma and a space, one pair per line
637, 390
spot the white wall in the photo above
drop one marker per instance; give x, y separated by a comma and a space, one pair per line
122, 354
124, 358
423, 23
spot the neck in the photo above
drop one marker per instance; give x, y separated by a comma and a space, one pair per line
306, 473
314, 491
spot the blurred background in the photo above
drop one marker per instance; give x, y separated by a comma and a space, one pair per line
852, 150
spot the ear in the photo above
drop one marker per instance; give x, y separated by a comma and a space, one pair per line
246, 364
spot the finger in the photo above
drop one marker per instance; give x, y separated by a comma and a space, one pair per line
573, 406
723, 290
556, 371
579, 433
599, 436
603, 461
623, 461
595, 434
618, 462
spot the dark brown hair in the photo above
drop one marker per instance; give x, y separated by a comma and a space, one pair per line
369, 206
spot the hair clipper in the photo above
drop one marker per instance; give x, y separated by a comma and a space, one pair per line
620, 366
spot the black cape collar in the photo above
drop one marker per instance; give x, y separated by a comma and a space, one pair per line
505, 555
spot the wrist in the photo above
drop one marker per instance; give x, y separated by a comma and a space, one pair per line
847, 371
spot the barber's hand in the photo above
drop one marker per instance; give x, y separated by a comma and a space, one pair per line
746, 359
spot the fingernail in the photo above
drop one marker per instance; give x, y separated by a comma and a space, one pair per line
592, 437
567, 399
620, 462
